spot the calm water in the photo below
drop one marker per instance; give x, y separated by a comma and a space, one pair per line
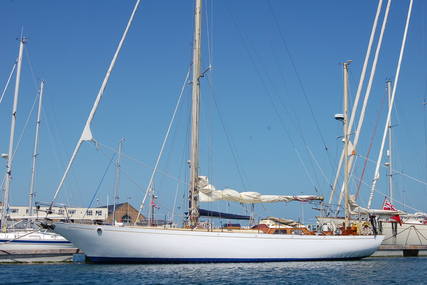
367, 271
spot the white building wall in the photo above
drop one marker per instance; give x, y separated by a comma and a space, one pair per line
20, 212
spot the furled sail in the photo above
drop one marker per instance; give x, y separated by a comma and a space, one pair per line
356, 209
208, 193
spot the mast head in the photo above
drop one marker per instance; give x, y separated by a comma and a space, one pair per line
22, 39
347, 62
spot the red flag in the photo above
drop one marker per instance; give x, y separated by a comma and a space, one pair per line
153, 204
390, 207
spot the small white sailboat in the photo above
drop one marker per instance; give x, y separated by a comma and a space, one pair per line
25, 241
27, 238
193, 243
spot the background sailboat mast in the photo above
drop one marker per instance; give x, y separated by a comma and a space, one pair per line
117, 180
5, 209
346, 145
358, 92
194, 150
390, 158
87, 133
395, 82
36, 146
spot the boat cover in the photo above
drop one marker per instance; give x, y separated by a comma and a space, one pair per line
356, 209
214, 214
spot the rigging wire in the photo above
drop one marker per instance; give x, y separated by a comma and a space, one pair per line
22, 134
397, 171
298, 77
25, 127
296, 123
395, 84
228, 137
209, 33
179, 178
276, 111
86, 133
122, 171
212, 93
373, 135
368, 90
100, 183
387, 196
150, 183
7, 82
209, 114
55, 141
147, 165
32, 107
360, 88
33, 74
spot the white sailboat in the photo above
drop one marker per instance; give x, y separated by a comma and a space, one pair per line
110, 243
28, 238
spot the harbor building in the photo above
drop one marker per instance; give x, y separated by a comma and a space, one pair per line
125, 213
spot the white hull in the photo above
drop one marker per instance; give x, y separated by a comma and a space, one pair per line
137, 244
27, 240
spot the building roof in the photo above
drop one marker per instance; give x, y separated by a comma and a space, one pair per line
111, 207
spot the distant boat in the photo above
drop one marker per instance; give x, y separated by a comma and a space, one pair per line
30, 240
24, 238
194, 243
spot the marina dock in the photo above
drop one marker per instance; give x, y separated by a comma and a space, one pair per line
399, 250
38, 256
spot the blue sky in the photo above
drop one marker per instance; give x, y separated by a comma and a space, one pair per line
253, 98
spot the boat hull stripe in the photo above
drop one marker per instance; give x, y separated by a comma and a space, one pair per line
204, 260
34, 241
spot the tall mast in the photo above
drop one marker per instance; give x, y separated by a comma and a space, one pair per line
8, 181
393, 94
358, 93
117, 180
367, 92
35, 151
194, 151
390, 165
346, 145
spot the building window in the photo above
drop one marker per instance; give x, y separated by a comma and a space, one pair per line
98, 213
89, 212
60, 211
71, 212
26, 211
13, 210
126, 219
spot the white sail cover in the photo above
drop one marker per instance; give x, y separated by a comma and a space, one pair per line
356, 209
208, 193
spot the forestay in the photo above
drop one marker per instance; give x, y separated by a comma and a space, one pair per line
208, 193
